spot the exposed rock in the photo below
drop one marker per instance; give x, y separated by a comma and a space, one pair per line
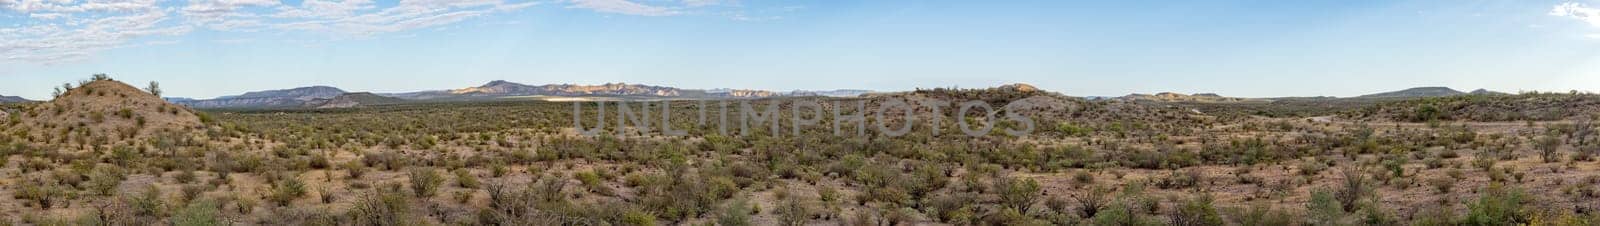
349, 100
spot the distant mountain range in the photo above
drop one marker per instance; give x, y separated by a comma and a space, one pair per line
1178, 97
1419, 92
330, 97
284, 98
12, 99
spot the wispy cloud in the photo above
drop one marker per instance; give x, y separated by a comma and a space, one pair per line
74, 32
59, 31
1579, 11
624, 7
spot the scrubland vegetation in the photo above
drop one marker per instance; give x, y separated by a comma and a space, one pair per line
1474, 160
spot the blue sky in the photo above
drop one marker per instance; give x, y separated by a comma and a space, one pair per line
1236, 48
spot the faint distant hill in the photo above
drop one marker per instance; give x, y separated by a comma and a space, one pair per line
1486, 92
1178, 97
349, 100
831, 93
285, 98
502, 88
1416, 92
13, 99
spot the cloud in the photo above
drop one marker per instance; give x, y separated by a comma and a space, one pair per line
407, 15
623, 7
698, 3
1578, 11
60, 31
74, 34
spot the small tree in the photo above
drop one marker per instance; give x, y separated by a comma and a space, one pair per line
154, 89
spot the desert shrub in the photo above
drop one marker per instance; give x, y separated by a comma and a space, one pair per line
1498, 205
465, 179
1435, 217
735, 213
592, 181
1091, 201
1017, 194
1434, 163
793, 211
1083, 177
1548, 145
319, 161
425, 181
1260, 214
952, 208
385, 206
41, 194
355, 169
1196, 211
184, 176
146, 203
1179, 179
287, 190
1352, 189
1312, 167
1324, 209
386, 160
199, 213
1124, 212
103, 180
190, 192
1441, 184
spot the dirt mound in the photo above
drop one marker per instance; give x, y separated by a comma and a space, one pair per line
104, 112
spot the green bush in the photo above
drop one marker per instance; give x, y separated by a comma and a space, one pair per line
386, 206
1498, 205
1261, 214
199, 213
465, 179
286, 191
735, 213
1017, 194
425, 182
1197, 211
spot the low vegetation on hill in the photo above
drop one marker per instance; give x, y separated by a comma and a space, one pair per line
523, 163
1486, 108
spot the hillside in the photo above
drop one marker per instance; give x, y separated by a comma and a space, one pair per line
285, 98
1178, 97
12, 99
356, 99
1416, 92
1485, 108
104, 112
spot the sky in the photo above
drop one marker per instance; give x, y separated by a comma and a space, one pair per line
209, 48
